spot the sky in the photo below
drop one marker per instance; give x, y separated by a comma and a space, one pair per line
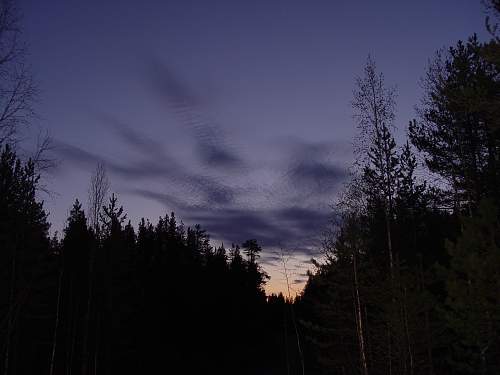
234, 114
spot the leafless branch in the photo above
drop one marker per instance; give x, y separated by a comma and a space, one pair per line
17, 89
41, 157
98, 191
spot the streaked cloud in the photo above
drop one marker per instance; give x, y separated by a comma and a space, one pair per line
283, 201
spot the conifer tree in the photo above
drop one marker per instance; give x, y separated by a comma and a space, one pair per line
75, 273
455, 130
25, 258
473, 301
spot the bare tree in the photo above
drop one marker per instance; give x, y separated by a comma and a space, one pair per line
98, 190
285, 258
44, 146
17, 94
373, 106
43, 160
56, 325
358, 316
17, 89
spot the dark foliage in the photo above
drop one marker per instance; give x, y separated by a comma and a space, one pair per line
409, 283
431, 306
159, 300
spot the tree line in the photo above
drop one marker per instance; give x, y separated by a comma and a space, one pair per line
410, 282
106, 298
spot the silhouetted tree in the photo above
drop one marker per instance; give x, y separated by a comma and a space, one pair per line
453, 132
472, 305
17, 89
75, 272
26, 260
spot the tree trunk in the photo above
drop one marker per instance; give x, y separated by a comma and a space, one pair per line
86, 323
285, 331
407, 331
299, 348
426, 319
54, 343
359, 319
11, 312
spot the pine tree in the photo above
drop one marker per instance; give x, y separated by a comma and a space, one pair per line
473, 301
454, 131
251, 250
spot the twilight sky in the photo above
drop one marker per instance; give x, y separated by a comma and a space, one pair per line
234, 114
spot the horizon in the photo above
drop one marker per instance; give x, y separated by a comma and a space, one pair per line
235, 116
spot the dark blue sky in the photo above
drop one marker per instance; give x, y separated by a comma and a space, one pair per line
234, 114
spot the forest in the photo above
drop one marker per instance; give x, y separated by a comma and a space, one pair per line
409, 282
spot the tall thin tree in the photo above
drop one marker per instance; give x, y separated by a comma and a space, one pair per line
97, 193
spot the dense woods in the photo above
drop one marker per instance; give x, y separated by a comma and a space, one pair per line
409, 283
116, 300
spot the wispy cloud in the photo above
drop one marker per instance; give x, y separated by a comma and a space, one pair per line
222, 188
211, 144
